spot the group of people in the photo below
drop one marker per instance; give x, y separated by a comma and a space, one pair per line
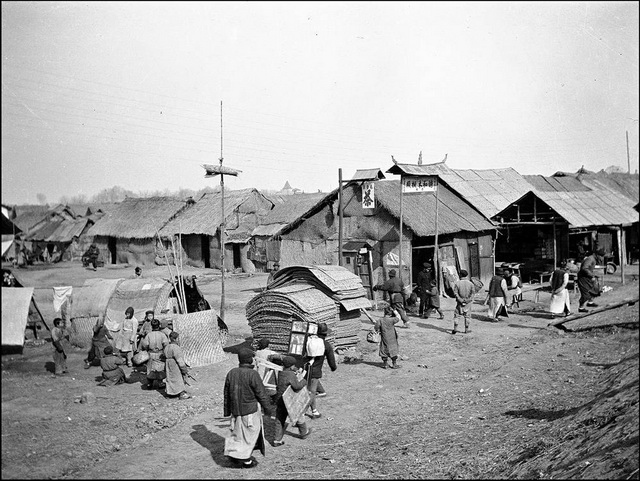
115, 341
246, 398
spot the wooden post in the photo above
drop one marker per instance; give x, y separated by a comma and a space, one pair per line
400, 246
222, 225
436, 257
339, 217
621, 256
555, 256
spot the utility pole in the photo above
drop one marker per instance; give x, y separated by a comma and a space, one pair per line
222, 225
339, 217
212, 171
628, 160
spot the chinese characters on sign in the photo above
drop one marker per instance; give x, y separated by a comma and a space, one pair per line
368, 195
422, 183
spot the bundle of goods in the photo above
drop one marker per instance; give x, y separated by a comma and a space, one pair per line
272, 312
313, 294
337, 282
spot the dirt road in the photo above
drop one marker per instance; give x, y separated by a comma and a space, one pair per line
463, 406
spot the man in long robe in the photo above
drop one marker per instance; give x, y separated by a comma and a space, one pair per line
395, 287
388, 341
560, 301
244, 393
588, 281
176, 368
498, 294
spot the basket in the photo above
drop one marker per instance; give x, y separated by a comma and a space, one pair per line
140, 357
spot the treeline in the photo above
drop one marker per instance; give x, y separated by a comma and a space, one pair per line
118, 194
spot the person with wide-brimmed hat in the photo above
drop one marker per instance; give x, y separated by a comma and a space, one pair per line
244, 394
588, 281
395, 287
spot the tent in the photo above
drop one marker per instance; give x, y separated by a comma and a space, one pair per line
19, 308
145, 294
89, 303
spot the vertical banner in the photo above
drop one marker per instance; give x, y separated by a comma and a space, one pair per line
368, 195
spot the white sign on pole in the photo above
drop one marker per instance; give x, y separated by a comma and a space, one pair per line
368, 195
419, 183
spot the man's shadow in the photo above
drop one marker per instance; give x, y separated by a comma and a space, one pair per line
214, 443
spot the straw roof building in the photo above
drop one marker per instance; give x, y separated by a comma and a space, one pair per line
128, 232
199, 228
464, 234
265, 253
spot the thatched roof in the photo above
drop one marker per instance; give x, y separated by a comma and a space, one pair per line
293, 207
29, 215
137, 218
419, 210
205, 216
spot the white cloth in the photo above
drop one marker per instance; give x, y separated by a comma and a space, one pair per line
60, 296
497, 307
245, 435
560, 303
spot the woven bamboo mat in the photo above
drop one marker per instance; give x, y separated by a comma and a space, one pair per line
200, 337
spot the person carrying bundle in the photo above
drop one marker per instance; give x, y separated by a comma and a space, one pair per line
288, 377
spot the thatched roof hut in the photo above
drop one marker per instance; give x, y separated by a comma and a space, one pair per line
199, 226
127, 234
138, 218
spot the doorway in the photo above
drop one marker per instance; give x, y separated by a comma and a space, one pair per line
206, 252
111, 247
474, 260
236, 256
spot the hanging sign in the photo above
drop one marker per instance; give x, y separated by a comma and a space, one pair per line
368, 195
419, 183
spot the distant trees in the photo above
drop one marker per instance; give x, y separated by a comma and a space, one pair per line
118, 194
42, 199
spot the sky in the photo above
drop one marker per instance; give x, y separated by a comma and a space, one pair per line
141, 94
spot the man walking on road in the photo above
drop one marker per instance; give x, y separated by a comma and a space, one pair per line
244, 393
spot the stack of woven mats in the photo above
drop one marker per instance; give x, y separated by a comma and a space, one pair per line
315, 294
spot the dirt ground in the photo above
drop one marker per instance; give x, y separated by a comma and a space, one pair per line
516, 399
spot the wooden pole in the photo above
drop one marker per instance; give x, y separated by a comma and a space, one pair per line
166, 259
339, 217
555, 247
621, 256
628, 160
400, 246
436, 264
222, 225
629, 301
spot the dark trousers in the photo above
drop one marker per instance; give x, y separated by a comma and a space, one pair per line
281, 425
